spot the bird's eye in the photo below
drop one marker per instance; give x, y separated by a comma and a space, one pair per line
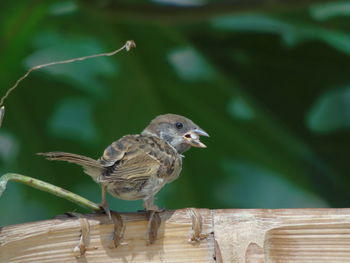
179, 125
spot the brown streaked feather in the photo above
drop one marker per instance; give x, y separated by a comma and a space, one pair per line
134, 167
91, 166
138, 166
72, 158
137, 157
113, 153
130, 161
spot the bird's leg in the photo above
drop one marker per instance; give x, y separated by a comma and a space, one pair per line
117, 220
148, 204
153, 219
104, 205
154, 222
119, 229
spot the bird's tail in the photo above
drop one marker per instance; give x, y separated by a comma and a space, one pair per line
91, 166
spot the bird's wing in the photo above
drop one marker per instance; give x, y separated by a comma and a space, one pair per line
136, 158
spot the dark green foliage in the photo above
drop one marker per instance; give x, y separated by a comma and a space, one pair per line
272, 90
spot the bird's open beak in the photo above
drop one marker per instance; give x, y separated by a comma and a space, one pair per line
192, 138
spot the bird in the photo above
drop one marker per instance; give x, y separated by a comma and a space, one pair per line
136, 167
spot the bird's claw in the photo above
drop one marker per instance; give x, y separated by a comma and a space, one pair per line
119, 229
154, 222
105, 209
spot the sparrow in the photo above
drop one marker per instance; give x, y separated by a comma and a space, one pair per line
138, 166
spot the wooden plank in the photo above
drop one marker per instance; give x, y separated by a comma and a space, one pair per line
283, 235
232, 235
309, 243
55, 240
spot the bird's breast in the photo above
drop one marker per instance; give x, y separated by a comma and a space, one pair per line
136, 190
144, 169
153, 186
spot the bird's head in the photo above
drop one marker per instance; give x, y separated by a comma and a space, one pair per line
177, 130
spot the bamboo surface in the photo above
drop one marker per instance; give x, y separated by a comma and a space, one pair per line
187, 235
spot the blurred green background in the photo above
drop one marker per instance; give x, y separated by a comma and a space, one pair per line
268, 80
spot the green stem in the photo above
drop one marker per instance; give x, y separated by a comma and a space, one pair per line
46, 187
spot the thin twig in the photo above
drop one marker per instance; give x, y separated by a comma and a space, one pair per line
46, 187
127, 46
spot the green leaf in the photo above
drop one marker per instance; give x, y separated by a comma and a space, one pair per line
84, 75
252, 186
72, 119
330, 112
292, 32
325, 11
9, 149
63, 8
240, 109
190, 66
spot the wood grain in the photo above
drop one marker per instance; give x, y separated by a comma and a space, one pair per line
232, 235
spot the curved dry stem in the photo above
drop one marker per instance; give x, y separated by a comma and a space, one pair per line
46, 187
127, 46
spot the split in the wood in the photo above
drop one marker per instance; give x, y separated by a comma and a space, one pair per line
84, 240
217, 252
197, 226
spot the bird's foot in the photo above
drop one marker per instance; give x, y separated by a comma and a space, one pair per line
119, 226
119, 229
154, 222
105, 209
